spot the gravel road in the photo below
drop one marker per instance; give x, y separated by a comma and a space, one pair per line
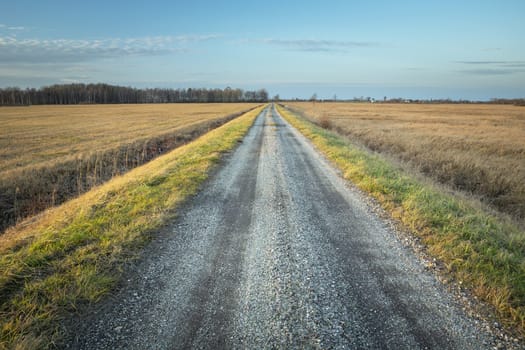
277, 251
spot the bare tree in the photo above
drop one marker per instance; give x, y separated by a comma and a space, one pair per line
104, 93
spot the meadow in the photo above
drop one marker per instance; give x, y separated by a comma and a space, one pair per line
49, 154
473, 148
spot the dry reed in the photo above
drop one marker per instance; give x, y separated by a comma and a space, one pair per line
50, 153
477, 149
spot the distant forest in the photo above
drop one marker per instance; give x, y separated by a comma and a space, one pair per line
67, 94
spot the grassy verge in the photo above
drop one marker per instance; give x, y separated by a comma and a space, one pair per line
483, 253
74, 253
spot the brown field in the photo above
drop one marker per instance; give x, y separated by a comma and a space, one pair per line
477, 149
49, 153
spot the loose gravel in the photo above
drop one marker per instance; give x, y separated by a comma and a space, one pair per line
278, 252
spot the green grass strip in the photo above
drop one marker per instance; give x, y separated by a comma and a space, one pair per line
485, 254
74, 254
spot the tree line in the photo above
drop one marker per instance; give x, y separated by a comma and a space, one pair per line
500, 101
64, 94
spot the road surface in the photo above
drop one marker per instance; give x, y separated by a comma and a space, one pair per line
277, 251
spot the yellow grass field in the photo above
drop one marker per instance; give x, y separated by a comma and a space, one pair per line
75, 253
37, 134
49, 153
477, 149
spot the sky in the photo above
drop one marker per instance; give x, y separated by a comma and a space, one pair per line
411, 49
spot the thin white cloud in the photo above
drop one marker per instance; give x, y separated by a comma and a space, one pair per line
497, 63
16, 28
313, 45
487, 67
14, 50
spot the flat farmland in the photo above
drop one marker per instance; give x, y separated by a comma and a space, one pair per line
48, 153
477, 149
33, 135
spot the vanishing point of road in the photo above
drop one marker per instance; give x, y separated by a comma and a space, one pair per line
277, 252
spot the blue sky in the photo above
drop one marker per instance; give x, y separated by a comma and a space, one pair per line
413, 49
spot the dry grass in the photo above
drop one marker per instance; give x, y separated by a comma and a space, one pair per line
50, 153
74, 254
480, 251
478, 149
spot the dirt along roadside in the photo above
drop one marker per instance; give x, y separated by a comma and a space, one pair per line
277, 252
